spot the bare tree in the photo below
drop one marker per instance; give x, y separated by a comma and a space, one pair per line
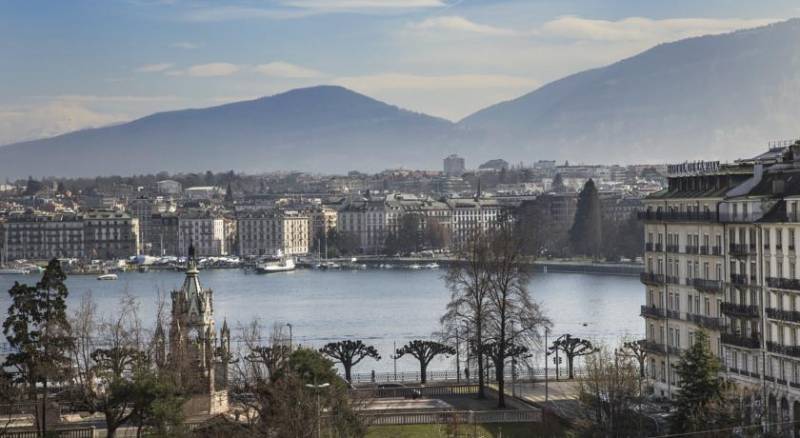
469, 285
515, 321
609, 390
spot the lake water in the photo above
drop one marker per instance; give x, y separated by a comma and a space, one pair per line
377, 306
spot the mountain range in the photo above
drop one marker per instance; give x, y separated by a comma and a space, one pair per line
712, 97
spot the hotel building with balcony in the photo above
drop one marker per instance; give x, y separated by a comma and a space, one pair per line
720, 256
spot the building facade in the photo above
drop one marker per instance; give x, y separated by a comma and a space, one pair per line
38, 236
454, 165
273, 232
110, 234
205, 230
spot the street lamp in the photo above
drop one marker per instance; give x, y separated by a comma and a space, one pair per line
288, 324
316, 389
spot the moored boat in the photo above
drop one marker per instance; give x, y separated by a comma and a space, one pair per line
107, 277
283, 265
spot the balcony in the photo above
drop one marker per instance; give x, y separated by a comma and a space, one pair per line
716, 250
673, 279
742, 310
677, 216
741, 250
738, 279
787, 350
651, 278
655, 347
783, 283
715, 286
673, 248
655, 312
783, 315
648, 246
708, 322
673, 314
741, 341
691, 249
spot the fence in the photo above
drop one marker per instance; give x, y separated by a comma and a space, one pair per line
82, 432
532, 374
452, 417
415, 391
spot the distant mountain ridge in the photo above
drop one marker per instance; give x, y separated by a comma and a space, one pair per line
720, 97
713, 97
318, 128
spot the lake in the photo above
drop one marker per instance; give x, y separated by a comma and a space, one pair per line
378, 306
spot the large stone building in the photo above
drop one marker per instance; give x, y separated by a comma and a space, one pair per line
454, 165
720, 256
198, 359
40, 236
110, 234
470, 215
203, 229
269, 232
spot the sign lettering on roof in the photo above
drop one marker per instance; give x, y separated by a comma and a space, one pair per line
690, 168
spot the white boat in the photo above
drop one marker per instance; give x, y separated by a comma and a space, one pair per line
283, 265
107, 277
432, 266
415, 266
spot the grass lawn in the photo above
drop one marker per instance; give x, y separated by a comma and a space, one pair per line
505, 430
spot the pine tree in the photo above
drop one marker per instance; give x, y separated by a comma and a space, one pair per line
586, 234
700, 403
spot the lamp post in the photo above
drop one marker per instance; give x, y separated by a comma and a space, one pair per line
288, 324
316, 389
458, 358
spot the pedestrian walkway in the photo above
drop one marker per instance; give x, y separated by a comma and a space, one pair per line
560, 398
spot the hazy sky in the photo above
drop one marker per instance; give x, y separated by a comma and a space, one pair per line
68, 64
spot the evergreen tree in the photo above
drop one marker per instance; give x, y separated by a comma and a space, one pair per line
38, 330
700, 403
586, 233
229, 194
558, 184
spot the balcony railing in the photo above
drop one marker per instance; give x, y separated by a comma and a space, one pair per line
716, 250
738, 279
673, 248
741, 250
671, 279
648, 246
691, 249
673, 314
788, 350
741, 341
655, 347
744, 310
678, 216
651, 278
783, 283
655, 312
783, 315
708, 322
708, 285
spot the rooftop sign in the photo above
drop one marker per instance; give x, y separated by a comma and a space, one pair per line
689, 168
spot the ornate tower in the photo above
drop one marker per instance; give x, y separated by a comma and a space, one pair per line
194, 354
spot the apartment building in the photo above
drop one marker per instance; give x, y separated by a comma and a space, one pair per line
469, 215
370, 220
110, 234
720, 256
40, 236
270, 232
205, 230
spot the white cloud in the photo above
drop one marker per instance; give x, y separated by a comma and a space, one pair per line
212, 69
154, 68
349, 5
460, 24
230, 13
638, 28
282, 69
184, 45
52, 118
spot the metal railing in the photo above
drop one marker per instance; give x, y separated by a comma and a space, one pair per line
677, 216
741, 341
708, 285
651, 278
708, 322
741, 249
787, 350
452, 417
523, 373
747, 310
783, 283
738, 279
783, 315
655, 312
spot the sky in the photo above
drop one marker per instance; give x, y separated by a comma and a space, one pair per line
72, 64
